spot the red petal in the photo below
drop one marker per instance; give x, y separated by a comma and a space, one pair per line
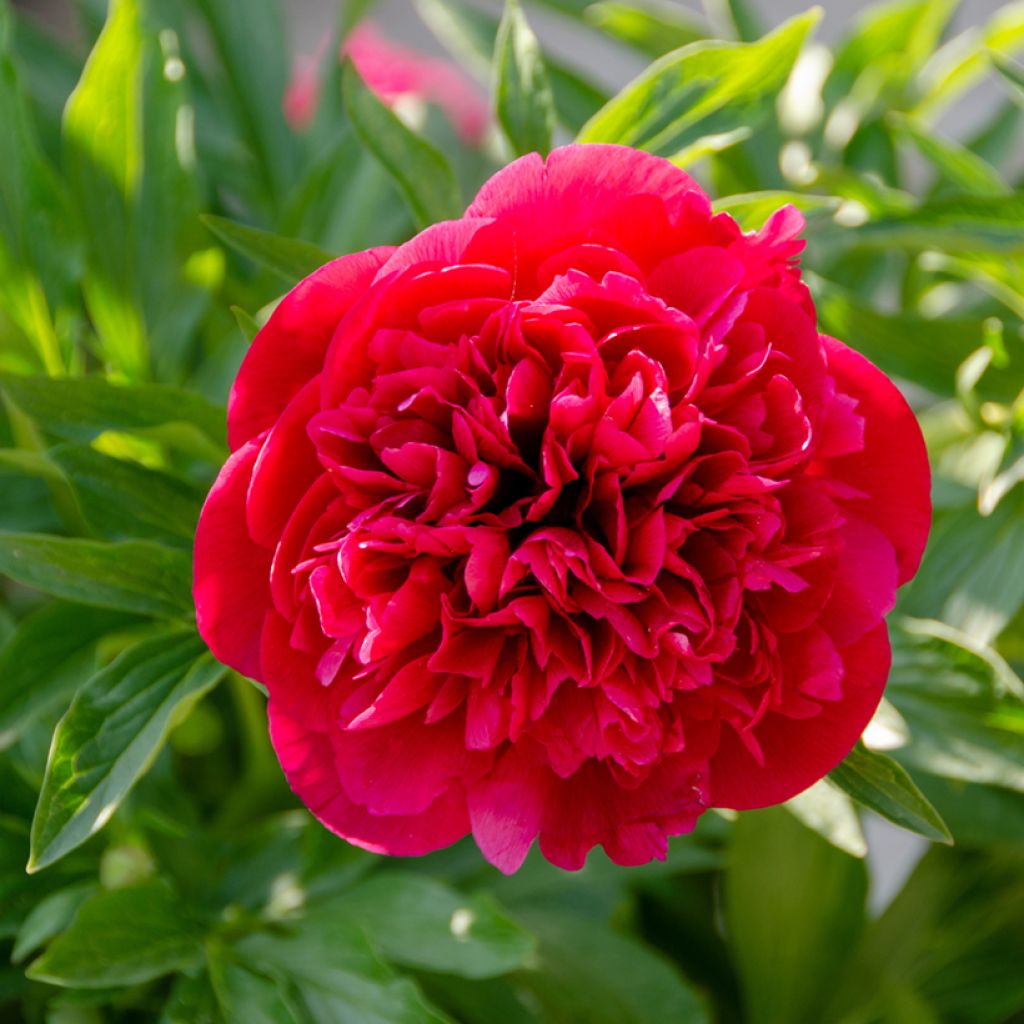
308, 763
231, 583
798, 752
893, 467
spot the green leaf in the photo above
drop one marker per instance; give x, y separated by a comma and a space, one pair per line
38, 227
794, 907
705, 88
138, 577
972, 575
103, 153
290, 257
50, 915
103, 116
953, 223
711, 145
903, 344
246, 997
586, 972
421, 172
123, 500
888, 45
653, 29
1012, 72
111, 733
976, 814
525, 106
961, 706
880, 784
960, 64
338, 976
951, 939
48, 656
254, 54
955, 164
470, 33
734, 19
752, 209
830, 812
79, 409
122, 937
247, 324
419, 922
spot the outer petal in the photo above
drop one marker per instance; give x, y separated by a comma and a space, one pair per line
892, 470
798, 752
577, 180
290, 348
231, 583
593, 193
308, 763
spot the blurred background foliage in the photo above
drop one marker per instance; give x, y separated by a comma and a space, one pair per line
154, 202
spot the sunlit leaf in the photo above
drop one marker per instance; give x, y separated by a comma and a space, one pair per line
129, 576
704, 88
110, 735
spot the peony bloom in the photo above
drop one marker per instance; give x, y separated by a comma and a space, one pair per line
394, 73
561, 520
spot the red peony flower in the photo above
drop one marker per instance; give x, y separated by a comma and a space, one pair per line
560, 520
394, 73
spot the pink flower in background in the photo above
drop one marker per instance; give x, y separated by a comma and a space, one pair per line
394, 72
560, 521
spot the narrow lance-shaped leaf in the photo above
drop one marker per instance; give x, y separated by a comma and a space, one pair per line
137, 577
122, 937
952, 223
79, 409
253, 51
1012, 73
420, 171
469, 34
879, 783
706, 88
103, 151
111, 733
38, 228
292, 258
525, 106
955, 164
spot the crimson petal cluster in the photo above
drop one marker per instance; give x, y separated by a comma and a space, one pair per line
560, 521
